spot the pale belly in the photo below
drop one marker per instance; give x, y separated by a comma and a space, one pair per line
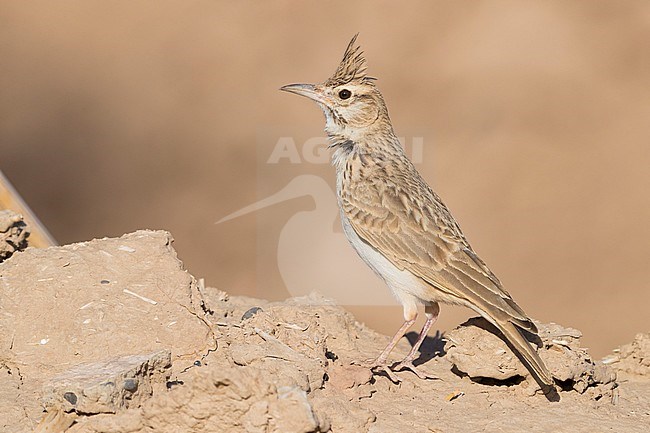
409, 290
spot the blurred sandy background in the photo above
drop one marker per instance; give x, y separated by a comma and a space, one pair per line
535, 117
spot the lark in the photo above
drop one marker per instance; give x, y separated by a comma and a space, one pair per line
400, 227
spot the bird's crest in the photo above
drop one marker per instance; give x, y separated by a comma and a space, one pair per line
351, 68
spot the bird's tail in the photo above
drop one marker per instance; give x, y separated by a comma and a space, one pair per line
527, 354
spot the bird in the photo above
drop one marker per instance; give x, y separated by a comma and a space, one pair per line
400, 227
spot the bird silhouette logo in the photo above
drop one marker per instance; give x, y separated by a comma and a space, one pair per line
309, 248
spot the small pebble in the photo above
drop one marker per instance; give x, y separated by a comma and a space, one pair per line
71, 397
251, 312
131, 385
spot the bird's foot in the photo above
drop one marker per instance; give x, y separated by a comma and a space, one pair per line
378, 366
407, 364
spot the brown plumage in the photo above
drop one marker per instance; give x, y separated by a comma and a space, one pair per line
398, 225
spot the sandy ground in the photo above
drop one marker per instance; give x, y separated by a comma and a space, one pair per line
113, 335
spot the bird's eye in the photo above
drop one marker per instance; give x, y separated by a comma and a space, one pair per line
345, 94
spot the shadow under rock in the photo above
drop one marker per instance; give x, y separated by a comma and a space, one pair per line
431, 346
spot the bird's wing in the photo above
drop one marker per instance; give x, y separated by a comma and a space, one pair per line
410, 226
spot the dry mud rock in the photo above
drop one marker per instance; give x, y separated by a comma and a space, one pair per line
633, 359
483, 356
91, 302
108, 386
113, 335
13, 233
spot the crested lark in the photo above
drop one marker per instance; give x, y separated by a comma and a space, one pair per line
399, 226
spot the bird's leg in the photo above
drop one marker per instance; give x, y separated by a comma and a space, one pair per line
383, 356
431, 311
380, 362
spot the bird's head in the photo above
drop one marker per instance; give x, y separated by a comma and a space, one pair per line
352, 104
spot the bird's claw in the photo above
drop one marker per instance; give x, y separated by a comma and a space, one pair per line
408, 365
379, 367
390, 371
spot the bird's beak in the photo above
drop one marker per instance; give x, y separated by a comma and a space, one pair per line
308, 90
